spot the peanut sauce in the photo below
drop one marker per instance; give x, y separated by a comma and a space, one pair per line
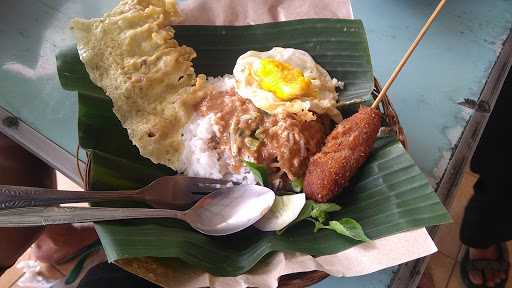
280, 142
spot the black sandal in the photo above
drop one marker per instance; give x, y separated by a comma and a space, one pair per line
500, 264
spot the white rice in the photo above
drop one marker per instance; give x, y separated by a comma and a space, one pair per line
198, 159
224, 83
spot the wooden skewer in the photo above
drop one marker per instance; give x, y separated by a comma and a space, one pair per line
409, 53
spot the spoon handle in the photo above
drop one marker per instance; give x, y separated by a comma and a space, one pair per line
19, 197
38, 216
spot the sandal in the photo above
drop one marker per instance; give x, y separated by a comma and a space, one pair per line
500, 264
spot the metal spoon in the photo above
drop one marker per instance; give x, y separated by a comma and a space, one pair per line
222, 212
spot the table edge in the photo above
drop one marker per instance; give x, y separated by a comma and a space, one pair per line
411, 272
39, 145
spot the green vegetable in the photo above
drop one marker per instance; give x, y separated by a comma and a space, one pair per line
232, 138
314, 212
259, 133
259, 171
317, 210
252, 143
346, 226
297, 185
250, 116
317, 213
320, 210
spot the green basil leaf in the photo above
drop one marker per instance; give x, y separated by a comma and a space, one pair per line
315, 210
346, 226
259, 171
320, 210
297, 184
306, 211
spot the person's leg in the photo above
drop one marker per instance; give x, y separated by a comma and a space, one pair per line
18, 167
487, 217
486, 224
487, 221
61, 243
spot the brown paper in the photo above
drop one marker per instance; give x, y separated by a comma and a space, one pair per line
359, 260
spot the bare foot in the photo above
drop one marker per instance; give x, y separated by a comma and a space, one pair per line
491, 278
59, 242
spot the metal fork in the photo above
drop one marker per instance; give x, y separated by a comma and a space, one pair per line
169, 192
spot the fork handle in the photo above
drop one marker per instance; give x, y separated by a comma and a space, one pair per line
37, 216
19, 197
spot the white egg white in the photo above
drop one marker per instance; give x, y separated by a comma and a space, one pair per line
322, 102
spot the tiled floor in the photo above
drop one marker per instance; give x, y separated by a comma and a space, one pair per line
444, 265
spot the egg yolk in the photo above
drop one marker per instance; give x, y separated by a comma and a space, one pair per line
282, 79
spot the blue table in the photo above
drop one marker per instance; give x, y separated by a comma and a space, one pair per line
465, 55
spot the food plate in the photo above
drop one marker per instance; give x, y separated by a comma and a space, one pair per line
389, 195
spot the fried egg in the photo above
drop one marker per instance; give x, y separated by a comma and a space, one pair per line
286, 80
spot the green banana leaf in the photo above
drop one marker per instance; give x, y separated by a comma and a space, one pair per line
389, 194
338, 45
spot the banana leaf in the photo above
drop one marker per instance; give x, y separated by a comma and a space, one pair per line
389, 194
338, 45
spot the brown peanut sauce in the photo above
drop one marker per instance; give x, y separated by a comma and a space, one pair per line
281, 142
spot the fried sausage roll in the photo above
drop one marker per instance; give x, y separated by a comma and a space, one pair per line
344, 152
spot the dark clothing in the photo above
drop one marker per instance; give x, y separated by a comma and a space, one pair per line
107, 275
19, 167
488, 215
